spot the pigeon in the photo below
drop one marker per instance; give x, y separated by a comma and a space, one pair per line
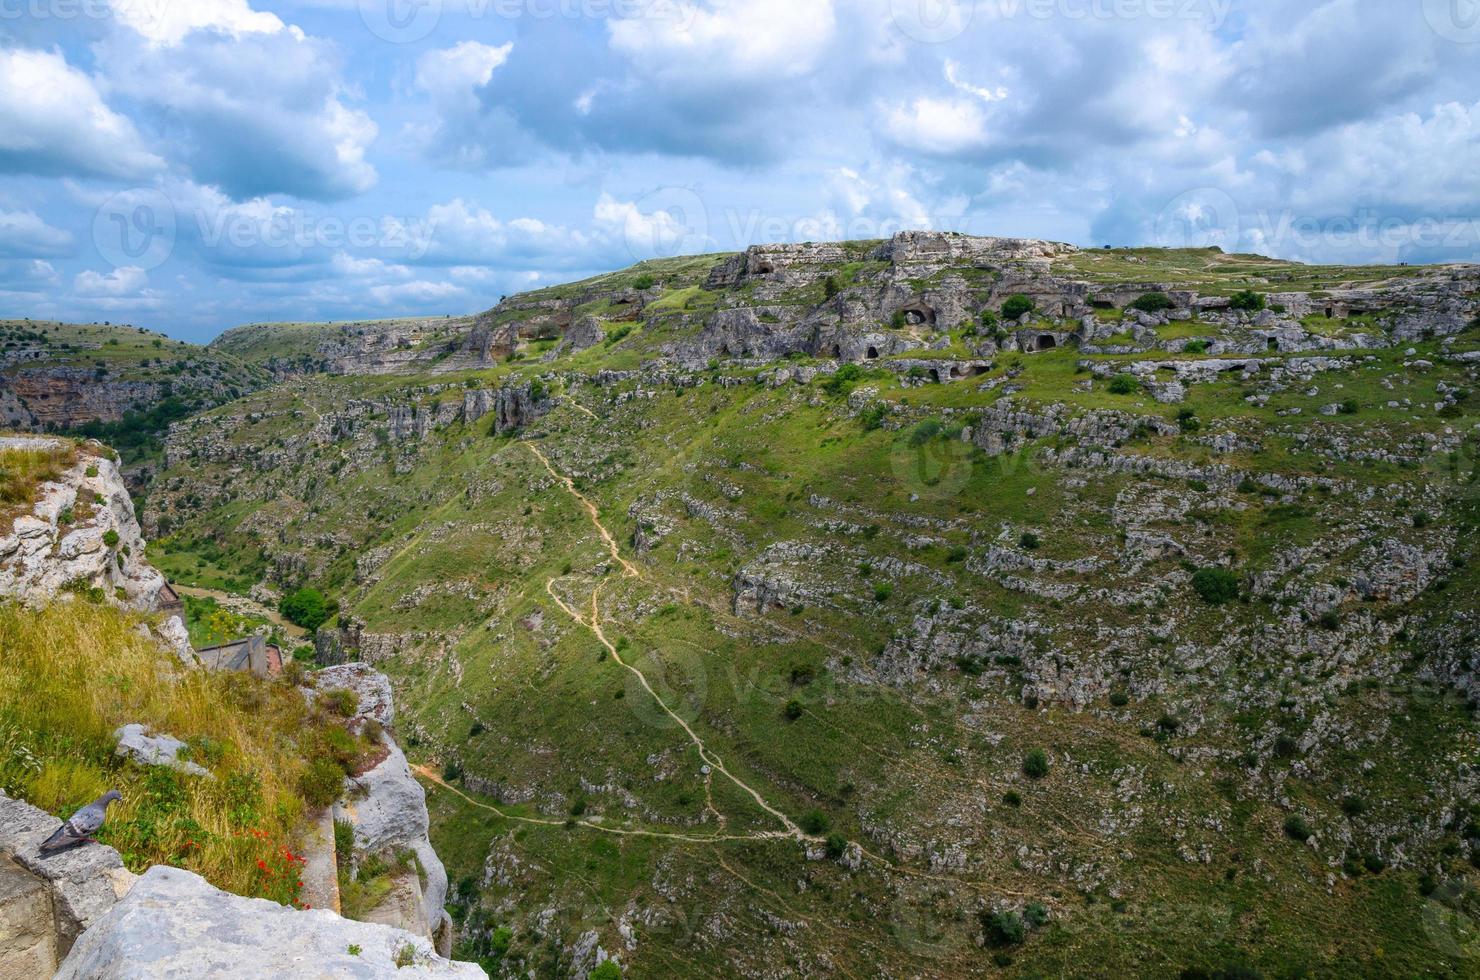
82, 825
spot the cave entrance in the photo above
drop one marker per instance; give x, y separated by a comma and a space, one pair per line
935, 375
837, 351
1330, 312
1047, 342
1274, 343
873, 353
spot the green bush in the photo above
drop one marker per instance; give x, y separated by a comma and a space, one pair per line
1035, 764
1152, 303
1215, 586
1296, 828
815, 822
1247, 301
1196, 347
1029, 541
830, 287
837, 844
644, 281
1124, 384
322, 783
792, 710
1016, 307
110, 538
924, 432
1003, 928
306, 608
606, 971
1349, 407
1188, 421
989, 321
842, 380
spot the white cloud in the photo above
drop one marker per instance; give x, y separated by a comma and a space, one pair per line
167, 22
53, 121
454, 73
125, 281
417, 292
750, 40
24, 235
936, 125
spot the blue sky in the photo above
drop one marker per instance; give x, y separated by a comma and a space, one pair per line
191, 165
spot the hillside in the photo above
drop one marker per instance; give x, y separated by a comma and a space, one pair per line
117, 383
913, 608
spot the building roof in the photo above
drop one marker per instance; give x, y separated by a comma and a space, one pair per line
252, 654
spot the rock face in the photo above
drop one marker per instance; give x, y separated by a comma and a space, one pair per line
388, 810
174, 924
28, 941
65, 541
84, 882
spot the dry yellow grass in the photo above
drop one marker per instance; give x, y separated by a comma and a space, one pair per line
73, 673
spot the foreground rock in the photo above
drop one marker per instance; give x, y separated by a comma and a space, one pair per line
83, 882
175, 924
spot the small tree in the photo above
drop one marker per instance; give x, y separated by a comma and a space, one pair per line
1016, 307
608, 970
1215, 586
1035, 764
1003, 928
1124, 384
830, 287
1246, 301
307, 608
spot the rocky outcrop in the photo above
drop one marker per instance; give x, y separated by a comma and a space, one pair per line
374, 699
137, 743
387, 808
83, 883
175, 924
80, 535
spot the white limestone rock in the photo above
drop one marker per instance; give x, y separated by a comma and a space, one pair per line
135, 742
175, 924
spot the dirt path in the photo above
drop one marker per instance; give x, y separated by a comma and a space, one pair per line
593, 624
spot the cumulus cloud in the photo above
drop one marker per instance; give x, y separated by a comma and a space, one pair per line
251, 112
24, 235
460, 133
125, 281
54, 122
755, 39
167, 23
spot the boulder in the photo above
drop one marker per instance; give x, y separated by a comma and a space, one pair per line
135, 742
585, 332
370, 686
175, 924
28, 941
84, 881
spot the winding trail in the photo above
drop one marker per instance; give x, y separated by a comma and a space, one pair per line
593, 623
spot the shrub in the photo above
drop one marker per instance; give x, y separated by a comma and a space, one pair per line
1296, 828
1215, 586
1016, 307
830, 287
1012, 798
322, 782
793, 710
843, 379
343, 701
924, 432
452, 771
306, 608
989, 322
897, 321
1029, 541
1003, 928
110, 538
883, 591
608, 970
1119, 698
1196, 347
1035, 764
1124, 384
1188, 421
1036, 914
815, 822
1247, 301
873, 416
1349, 407
1422, 520
837, 845
644, 281
1152, 303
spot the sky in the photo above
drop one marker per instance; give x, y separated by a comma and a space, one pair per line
192, 165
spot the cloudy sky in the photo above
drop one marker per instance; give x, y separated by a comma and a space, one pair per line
191, 165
